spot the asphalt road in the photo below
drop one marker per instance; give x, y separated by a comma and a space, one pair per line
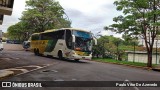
67, 70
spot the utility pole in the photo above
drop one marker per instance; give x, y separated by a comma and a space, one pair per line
156, 51
117, 51
134, 53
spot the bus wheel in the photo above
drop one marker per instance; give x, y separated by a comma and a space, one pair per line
60, 56
35, 52
77, 60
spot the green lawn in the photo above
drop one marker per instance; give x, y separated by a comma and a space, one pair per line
120, 62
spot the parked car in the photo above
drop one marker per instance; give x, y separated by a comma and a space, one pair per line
1, 45
26, 45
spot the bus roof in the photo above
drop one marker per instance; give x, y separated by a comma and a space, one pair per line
35, 33
64, 29
52, 30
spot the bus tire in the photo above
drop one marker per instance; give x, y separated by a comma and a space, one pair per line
38, 52
35, 52
77, 60
60, 55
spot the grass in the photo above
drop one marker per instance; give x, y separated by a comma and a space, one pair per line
121, 62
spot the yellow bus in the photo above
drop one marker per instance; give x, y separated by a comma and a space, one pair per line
68, 43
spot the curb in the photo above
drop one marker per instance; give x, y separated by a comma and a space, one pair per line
156, 69
147, 68
47, 65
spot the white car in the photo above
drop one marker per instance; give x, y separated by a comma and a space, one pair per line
26, 45
1, 46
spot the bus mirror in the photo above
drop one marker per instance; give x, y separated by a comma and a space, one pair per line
95, 41
73, 38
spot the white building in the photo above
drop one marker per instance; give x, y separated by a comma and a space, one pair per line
140, 56
156, 42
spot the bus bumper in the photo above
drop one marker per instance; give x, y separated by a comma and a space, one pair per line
81, 57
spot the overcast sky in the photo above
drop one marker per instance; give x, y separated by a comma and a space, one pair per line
92, 15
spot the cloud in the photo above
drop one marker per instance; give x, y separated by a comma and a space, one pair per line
91, 15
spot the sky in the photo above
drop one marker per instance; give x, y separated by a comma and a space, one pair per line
92, 15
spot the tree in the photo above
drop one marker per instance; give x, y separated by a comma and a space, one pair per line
112, 47
100, 48
141, 17
107, 47
45, 14
39, 16
128, 40
18, 32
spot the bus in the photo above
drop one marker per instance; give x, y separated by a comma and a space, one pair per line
1, 45
68, 43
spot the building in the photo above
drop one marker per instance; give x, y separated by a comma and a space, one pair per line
6, 7
155, 45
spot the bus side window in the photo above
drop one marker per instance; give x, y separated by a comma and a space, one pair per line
60, 34
35, 37
47, 36
68, 39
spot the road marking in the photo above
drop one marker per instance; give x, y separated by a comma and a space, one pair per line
123, 88
14, 69
38, 67
25, 69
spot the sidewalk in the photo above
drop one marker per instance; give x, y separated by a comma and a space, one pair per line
156, 68
5, 73
13, 47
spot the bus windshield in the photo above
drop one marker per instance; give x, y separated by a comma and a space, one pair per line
83, 41
82, 34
